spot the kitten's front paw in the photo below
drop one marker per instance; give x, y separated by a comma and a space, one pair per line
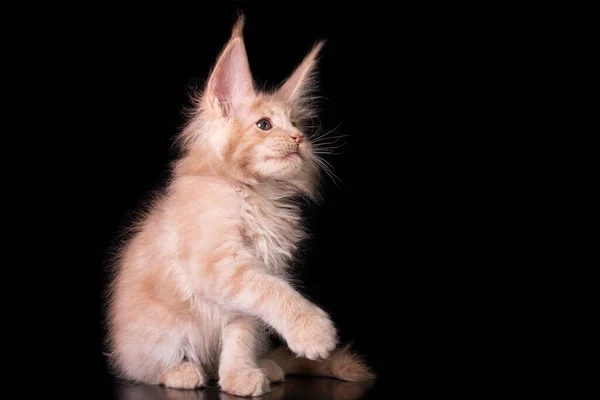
314, 336
246, 382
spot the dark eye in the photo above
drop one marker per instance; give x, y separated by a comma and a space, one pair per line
264, 124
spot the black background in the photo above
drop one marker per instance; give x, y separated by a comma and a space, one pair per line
436, 254
395, 245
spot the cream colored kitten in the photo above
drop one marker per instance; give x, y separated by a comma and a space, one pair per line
203, 276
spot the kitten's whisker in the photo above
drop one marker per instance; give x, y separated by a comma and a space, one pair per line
328, 168
326, 141
327, 163
333, 177
327, 149
321, 146
328, 136
325, 167
318, 135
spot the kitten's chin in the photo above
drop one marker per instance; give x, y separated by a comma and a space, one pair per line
287, 166
289, 157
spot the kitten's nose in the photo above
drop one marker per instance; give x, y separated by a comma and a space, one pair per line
297, 137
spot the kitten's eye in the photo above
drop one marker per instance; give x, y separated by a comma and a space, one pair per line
264, 124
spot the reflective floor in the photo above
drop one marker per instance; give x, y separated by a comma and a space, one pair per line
293, 388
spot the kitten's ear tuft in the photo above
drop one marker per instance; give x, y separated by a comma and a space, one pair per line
231, 80
303, 80
238, 28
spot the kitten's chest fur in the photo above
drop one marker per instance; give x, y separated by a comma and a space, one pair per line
271, 226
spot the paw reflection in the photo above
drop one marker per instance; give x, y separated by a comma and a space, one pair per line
292, 388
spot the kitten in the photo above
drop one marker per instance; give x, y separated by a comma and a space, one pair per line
203, 277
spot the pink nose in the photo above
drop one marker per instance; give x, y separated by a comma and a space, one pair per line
297, 138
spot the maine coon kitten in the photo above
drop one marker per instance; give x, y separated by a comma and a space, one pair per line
203, 277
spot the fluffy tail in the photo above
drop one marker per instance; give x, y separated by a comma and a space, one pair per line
341, 364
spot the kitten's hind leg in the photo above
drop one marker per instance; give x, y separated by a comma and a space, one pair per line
272, 370
239, 373
342, 364
150, 347
183, 376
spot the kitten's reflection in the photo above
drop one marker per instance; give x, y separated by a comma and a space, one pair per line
293, 388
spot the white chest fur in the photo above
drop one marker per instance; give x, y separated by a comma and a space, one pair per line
272, 227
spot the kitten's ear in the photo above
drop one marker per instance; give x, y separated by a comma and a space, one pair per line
231, 80
302, 81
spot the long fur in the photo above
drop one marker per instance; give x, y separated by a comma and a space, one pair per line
204, 274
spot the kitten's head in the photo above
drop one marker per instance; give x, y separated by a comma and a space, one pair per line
256, 136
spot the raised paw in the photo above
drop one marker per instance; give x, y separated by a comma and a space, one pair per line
183, 376
272, 370
245, 382
314, 336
